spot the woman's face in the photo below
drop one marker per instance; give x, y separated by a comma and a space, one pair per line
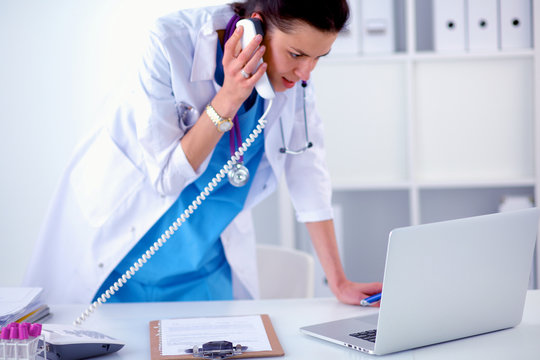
292, 56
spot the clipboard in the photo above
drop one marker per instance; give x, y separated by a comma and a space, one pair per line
155, 343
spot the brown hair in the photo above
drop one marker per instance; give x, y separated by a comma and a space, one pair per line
325, 15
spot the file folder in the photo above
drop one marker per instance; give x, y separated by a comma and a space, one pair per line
516, 24
483, 25
348, 40
377, 24
449, 25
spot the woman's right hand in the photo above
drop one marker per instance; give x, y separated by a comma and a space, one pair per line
202, 138
236, 88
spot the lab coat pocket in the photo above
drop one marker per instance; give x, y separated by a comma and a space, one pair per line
103, 179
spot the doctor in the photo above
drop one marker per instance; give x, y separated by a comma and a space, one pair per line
193, 104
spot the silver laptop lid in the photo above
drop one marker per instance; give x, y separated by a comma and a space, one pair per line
455, 279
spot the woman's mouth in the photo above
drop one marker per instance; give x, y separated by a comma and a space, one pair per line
287, 83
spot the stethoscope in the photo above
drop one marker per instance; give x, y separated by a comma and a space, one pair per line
239, 174
308, 144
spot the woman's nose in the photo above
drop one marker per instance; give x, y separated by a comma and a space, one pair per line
303, 71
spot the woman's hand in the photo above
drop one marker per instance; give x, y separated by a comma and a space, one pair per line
202, 138
323, 237
351, 293
236, 87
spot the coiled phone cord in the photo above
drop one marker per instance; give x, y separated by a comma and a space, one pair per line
176, 224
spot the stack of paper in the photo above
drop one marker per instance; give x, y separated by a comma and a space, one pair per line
18, 304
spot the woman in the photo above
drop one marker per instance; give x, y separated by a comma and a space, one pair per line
131, 179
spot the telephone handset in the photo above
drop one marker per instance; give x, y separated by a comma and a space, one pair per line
265, 90
252, 27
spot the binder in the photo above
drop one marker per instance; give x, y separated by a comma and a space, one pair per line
516, 24
483, 25
449, 25
155, 343
348, 40
378, 28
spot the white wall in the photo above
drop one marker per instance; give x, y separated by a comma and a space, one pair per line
59, 61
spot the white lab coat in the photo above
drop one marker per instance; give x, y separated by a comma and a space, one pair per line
129, 172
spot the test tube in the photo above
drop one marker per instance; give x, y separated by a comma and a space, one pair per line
22, 346
4, 339
34, 332
13, 336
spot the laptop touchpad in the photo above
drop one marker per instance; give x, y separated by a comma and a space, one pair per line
370, 320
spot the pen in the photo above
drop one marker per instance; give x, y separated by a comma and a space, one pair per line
371, 300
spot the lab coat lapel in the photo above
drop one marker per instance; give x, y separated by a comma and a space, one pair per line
272, 133
275, 112
204, 58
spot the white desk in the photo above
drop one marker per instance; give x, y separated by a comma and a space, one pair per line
129, 323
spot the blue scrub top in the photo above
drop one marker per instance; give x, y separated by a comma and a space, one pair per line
192, 264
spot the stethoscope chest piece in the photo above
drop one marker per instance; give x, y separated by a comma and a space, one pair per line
238, 175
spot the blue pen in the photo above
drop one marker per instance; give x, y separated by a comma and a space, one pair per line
371, 300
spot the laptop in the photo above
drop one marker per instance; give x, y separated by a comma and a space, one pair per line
444, 281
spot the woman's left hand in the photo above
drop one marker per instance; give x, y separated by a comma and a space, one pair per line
351, 293
323, 237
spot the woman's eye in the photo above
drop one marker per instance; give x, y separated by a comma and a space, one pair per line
294, 56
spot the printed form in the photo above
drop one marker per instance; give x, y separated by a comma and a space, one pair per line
177, 335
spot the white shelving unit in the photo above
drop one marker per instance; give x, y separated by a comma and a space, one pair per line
417, 136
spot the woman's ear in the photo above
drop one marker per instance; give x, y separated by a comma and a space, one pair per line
257, 16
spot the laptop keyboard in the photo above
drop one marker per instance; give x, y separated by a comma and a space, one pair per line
368, 335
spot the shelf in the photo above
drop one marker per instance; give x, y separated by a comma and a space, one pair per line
474, 119
420, 56
363, 59
354, 185
419, 136
363, 223
475, 184
489, 55
440, 205
364, 137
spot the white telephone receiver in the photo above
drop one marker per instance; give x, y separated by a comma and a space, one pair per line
252, 27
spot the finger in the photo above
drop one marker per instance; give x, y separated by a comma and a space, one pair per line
251, 65
249, 51
232, 47
258, 74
